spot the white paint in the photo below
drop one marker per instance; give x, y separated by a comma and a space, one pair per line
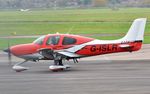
136, 31
69, 54
124, 45
18, 68
56, 67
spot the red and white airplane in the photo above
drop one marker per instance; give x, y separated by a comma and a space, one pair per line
60, 47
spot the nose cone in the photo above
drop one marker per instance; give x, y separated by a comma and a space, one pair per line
23, 49
6, 50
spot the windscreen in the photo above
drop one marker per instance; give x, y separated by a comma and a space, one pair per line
39, 40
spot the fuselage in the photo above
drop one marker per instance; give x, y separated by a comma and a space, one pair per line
71, 43
50, 41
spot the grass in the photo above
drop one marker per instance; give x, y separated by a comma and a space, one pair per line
4, 42
77, 28
76, 15
81, 21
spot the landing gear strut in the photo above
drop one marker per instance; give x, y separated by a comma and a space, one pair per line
18, 68
58, 62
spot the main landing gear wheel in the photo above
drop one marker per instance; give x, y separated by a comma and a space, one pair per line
58, 66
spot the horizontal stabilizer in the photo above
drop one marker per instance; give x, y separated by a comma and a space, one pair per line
125, 46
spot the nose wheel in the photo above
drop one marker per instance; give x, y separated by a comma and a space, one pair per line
18, 68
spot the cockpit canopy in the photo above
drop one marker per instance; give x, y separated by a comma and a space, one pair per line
54, 40
61, 39
39, 40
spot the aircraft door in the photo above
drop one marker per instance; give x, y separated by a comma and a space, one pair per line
53, 41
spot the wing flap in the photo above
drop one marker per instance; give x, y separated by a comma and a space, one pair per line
69, 54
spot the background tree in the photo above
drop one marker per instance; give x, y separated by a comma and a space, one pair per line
54, 4
101, 3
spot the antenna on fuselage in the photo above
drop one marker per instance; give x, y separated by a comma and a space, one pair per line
70, 30
57, 32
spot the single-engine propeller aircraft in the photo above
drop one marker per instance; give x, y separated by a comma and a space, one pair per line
60, 47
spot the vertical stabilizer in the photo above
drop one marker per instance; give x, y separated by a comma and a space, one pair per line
136, 31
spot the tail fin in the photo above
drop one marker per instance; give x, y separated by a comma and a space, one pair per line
136, 31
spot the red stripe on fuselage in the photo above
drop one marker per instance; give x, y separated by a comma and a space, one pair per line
99, 49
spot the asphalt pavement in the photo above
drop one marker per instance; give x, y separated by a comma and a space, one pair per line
122, 73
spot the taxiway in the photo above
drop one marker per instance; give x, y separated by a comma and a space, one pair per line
110, 74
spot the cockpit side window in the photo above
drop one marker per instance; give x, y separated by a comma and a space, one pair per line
69, 41
39, 40
54, 40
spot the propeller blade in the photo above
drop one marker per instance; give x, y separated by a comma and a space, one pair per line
9, 57
9, 53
